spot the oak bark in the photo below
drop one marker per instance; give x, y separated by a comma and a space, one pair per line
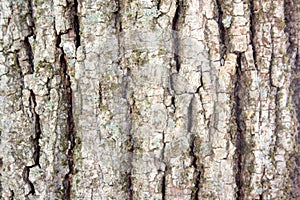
140, 99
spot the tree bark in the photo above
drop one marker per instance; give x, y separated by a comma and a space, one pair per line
165, 99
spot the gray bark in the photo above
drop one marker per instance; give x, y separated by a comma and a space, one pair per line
149, 99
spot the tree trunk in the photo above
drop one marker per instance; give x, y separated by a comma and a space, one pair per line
165, 99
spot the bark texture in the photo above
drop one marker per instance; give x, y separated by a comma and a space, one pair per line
140, 99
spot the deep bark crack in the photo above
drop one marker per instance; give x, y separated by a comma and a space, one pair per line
158, 4
30, 9
27, 44
190, 115
240, 137
198, 169
292, 23
70, 124
76, 24
100, 95
36, 145
119, 29
12, 195
272, 58
68, 97
222, 32
129, 140
1, 165
30, 56
262, 184
176, 25
252, 32
163, 186
163, 181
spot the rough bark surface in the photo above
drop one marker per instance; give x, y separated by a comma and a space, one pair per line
140, 99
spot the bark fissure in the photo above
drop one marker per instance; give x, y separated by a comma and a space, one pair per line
163, 187
70, 124
130, 141
70, 128
292, 28
163, 181
12, 195
76, 24
200, 96
277, 120
190, 115
100, 95
25, 174
131, 151
198, 170
36, 144
28, 47
262, 182
1, 165
31, 22
172, 92
127, 73
158, 4
252, 32
272, 58
176, 25
119, 29
240, 133
222, 33
30, 56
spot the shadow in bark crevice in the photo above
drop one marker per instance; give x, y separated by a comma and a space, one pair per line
36, 144
292, 29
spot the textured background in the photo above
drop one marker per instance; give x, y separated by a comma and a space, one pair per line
129, 99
